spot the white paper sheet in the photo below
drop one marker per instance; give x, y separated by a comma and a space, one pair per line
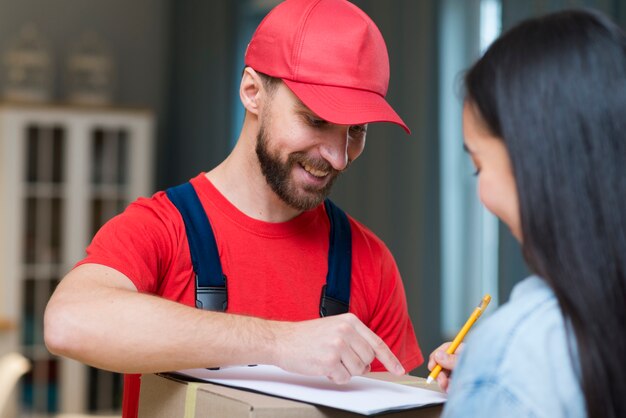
361, 395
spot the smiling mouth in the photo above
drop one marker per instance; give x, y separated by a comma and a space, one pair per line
314, 171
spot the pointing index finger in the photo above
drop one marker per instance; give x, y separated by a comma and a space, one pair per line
381, 350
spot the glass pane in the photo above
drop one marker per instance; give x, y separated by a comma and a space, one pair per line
43, 251
43, 393
31, 230
42, 295
97, 156
105, 391
104, 209
28, 396
52, 384
118, 390
45, 154
40, 386
53, 284
28, 312
32, 150
56, 227
58, 148
122, 158
111, 154
121, 205
110, 209
93, 389
96, 215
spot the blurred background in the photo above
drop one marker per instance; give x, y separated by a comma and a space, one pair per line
107, 100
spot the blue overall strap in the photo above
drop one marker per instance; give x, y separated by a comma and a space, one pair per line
211, 293
336, 293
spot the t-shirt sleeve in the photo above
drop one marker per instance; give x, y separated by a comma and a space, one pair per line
139, 242
390, 319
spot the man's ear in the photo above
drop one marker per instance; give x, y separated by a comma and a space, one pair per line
251, 90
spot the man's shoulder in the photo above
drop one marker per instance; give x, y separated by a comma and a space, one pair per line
364, 238
156, 206
155, 211
159, 203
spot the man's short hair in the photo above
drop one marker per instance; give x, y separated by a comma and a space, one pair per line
269, 83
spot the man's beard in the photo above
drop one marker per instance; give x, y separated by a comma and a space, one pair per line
277, 174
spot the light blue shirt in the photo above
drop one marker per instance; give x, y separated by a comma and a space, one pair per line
517, 362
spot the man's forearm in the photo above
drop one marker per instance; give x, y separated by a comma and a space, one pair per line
119, 329
96, 316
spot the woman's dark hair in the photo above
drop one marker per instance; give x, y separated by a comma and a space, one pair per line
554, 89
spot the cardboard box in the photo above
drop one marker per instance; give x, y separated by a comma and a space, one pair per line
166, 396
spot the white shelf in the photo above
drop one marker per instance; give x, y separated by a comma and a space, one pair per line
64, 170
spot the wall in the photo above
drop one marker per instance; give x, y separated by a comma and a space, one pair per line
394, 187
199, 95
136, 31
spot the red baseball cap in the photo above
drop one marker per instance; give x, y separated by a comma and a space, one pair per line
332, 57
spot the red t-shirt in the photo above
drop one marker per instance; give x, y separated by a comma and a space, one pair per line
274, 270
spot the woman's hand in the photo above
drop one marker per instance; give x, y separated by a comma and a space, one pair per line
447, 362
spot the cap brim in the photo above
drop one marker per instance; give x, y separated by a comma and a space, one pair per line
345, 106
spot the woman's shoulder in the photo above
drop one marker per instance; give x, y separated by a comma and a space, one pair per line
531, 312
522, 349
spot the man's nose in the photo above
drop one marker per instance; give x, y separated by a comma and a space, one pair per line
334, 149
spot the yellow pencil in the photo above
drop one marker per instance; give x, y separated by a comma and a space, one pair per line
459, 337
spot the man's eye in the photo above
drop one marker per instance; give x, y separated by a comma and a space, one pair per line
358, 129
316, 123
